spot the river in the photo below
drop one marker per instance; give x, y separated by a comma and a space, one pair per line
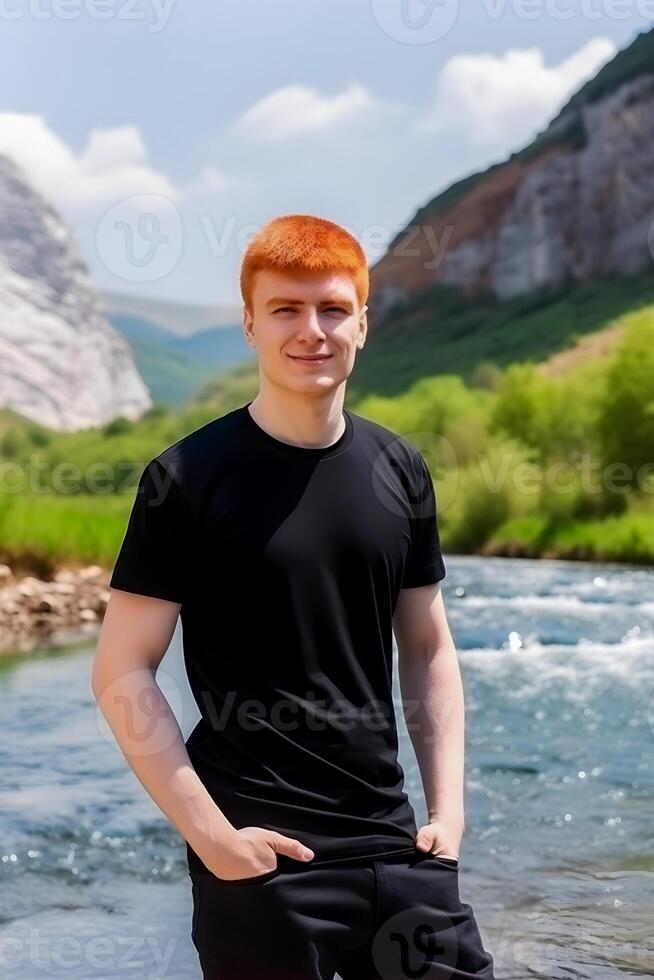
557, 660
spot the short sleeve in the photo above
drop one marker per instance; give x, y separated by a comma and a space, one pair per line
424, 564
154, 558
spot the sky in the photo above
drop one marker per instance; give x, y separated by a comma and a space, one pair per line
166, 132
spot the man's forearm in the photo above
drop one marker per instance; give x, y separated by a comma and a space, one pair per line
432, 694
150, 738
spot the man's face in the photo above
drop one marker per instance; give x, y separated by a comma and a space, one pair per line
306, 327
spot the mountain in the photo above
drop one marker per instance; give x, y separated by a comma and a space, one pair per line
175, 366
512, 260
576, 205
61, 363
181, 319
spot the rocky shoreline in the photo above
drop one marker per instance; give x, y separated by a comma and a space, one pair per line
38, 613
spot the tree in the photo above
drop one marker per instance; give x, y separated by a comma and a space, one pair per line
626, 418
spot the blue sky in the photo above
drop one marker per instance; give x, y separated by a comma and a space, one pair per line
166, 132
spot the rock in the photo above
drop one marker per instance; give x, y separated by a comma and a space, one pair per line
61, 362
64, 588
91, 572
560, 215
43, 605
34, 612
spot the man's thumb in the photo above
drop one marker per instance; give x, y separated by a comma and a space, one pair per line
293, 848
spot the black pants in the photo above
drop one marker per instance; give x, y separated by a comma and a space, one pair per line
392, 918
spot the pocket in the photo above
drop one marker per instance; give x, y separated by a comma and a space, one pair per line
252, 880
449, 862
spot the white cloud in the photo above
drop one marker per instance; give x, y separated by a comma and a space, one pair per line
208, 181
109, 149
112, 167
504, 100
298, 109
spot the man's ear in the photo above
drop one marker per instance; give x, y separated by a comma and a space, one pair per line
247, 324
363, 321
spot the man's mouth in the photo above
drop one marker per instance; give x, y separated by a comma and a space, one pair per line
310, 357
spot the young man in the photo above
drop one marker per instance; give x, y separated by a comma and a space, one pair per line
293, 537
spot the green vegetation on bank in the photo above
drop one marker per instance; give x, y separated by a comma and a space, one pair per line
525, 460
539, 464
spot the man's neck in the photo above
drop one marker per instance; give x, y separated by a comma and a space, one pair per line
310, 423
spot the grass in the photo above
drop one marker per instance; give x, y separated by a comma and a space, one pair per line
41, 532
626, 538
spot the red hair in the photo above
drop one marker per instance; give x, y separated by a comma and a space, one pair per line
304, 242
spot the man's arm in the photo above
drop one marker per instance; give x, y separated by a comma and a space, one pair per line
432, 696
135, 635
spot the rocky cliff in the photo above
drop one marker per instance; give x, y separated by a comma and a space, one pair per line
61, 363
574, 206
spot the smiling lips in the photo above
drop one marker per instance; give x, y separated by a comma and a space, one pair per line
310, 357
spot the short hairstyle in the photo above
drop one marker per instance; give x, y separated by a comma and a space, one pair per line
304, 242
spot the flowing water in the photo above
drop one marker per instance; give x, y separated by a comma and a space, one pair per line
557, 661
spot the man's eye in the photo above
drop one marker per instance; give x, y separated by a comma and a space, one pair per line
290, 309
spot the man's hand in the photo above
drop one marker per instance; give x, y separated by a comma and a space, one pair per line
252, 851
440, 838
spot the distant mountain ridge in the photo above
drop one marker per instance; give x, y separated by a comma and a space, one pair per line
175, 366
179, 318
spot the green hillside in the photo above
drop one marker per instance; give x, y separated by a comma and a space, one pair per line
174, 367
443, 332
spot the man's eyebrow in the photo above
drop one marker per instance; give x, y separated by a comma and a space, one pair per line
283, 301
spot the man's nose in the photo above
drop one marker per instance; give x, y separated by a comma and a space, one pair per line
311, 324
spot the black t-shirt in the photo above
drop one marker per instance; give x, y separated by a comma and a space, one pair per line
288, 562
